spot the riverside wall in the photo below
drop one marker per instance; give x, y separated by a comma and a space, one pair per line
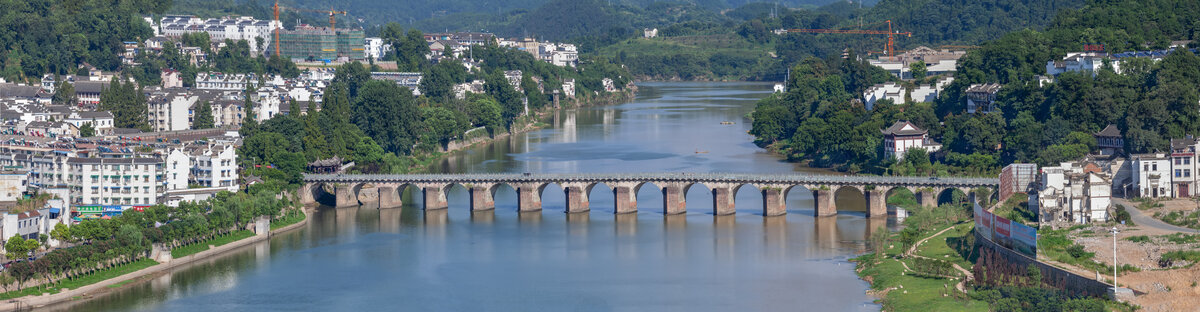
30, 302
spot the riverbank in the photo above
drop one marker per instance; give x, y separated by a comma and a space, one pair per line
139, 276
536, 120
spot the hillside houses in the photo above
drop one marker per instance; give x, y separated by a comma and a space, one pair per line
899, 94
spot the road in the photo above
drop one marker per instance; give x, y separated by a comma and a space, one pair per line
1143, 220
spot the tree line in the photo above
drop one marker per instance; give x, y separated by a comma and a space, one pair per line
104, 243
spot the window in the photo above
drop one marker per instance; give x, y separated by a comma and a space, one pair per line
1187, 173
1154, 166
1178, 173
1187, 161
1178, 160
1145, 167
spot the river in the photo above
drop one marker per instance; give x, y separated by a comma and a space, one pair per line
363, 258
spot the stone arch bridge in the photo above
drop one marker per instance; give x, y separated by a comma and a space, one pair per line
351, 189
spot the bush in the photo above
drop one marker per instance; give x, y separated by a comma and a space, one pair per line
1076, 251
1138, 239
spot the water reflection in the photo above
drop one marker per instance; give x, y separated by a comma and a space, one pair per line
364, 258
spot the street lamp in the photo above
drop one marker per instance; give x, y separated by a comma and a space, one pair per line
1115, 231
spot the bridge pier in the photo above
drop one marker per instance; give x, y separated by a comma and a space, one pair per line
674, 199
528, 198
435, 197
826, 202
345, 195
929, 198
625, 200
481, 198
773, 203
723, 201
306, 194
877, 203
577, 199
389, 197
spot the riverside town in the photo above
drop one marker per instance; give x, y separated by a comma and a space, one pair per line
591, 155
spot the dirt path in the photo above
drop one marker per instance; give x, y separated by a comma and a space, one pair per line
966, 274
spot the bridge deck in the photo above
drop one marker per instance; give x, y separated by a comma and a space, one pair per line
656, 177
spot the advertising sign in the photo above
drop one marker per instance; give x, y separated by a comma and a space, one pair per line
1024, 239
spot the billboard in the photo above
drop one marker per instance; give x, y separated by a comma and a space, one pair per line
1011, 235
1024, 239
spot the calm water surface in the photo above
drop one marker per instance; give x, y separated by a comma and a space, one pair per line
363, 258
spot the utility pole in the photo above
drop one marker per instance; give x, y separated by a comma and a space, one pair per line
1115, 231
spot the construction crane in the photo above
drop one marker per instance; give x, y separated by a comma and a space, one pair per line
332, 20
891, 44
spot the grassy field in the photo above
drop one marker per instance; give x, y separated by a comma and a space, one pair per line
290, 219
191, 249
944, 247
81, 281
918, 293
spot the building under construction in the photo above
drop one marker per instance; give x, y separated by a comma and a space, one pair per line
310, 43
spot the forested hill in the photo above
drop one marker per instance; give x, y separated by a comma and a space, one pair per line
378, 12
52, 36
1150, 102
967, 21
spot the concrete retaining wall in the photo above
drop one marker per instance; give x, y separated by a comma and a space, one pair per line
1075, 283
28, 302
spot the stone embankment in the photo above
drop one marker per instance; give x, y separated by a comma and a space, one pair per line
29, 302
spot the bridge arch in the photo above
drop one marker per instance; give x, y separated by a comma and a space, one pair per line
850, 198
951, 195
750, 198
697, 196
550, 198
799, 198
649, 195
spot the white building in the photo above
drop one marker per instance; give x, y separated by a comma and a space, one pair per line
903, 136
13, 185
1152, 175
267, 103
568, 88
218, 29
226, 82
1089, 62
884, 91
215, 166
374, 48
102, 121
1073, 193
177, 169
649, 33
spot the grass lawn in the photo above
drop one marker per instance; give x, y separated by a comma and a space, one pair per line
76, 283
191, 249
291, 218
940, 247
919, 293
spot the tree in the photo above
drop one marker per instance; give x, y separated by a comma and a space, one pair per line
16, 247
511, 103
879, 240
61, 233
918, 70
387, 113
64, 94
908, 237
203, 116
87, 130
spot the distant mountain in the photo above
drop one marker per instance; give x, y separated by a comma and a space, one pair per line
377, 12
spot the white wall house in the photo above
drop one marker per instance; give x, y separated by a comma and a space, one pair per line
884, 91
1089, 62
178, 167
1152, 175
903, 136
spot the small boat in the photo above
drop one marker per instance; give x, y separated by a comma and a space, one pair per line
726, 122
698, 151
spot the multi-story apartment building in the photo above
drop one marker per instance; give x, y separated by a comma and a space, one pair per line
218, 29
214, 166
1183, 167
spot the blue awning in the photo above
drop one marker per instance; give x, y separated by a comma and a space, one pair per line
54, 210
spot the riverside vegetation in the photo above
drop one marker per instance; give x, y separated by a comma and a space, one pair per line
106, 248
917, 269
